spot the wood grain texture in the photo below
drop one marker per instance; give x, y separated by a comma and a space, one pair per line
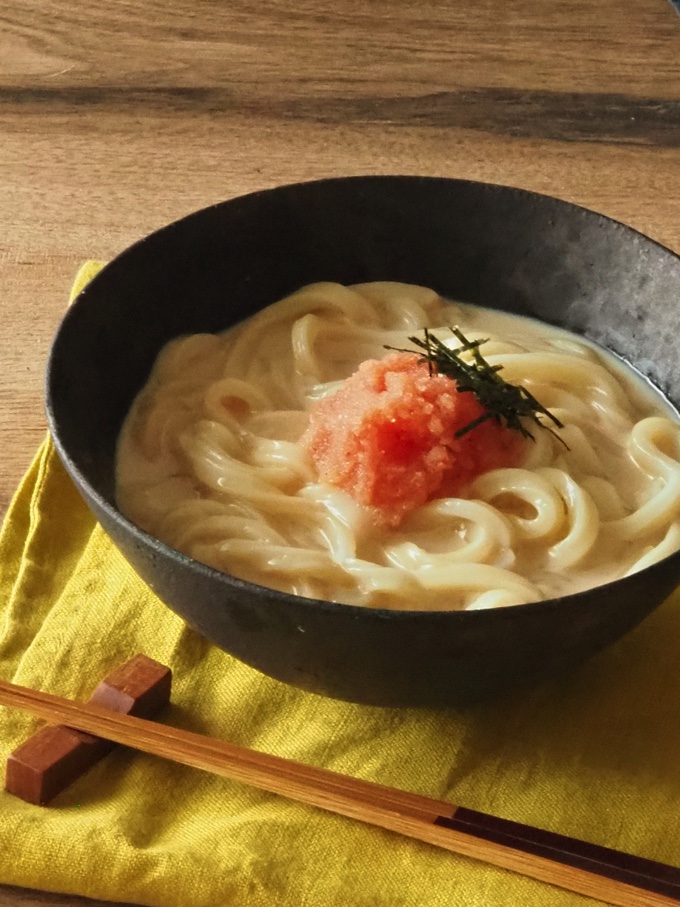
117, 118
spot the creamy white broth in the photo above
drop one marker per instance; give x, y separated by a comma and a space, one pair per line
229, 484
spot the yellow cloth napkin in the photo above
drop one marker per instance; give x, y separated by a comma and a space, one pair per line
594, 756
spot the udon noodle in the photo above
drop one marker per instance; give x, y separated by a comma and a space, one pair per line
209, 461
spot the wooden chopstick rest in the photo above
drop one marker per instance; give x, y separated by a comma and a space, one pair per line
56, 755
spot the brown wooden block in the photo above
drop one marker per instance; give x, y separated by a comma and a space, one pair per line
56, 755
139, 687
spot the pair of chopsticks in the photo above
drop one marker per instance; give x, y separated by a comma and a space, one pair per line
599, 872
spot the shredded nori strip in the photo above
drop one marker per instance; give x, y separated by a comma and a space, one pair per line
506, 403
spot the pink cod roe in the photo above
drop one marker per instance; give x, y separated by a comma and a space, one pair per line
387, 437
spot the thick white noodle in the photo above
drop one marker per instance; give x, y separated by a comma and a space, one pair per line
209, 461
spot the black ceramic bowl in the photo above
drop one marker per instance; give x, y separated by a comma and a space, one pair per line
492, 245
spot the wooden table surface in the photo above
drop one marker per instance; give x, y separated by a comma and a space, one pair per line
117, 118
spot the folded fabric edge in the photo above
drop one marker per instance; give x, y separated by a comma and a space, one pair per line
18, 524
86, 272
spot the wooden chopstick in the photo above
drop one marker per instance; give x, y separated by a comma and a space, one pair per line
588, 869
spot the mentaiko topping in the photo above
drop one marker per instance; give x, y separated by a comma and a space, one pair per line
387, 436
